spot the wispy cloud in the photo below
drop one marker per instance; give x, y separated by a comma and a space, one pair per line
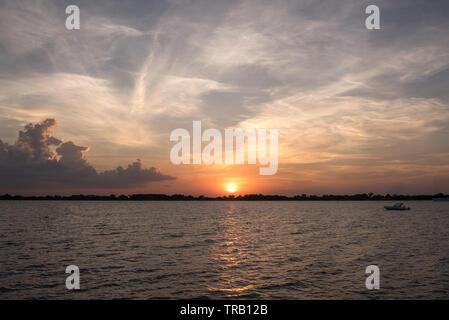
348, 102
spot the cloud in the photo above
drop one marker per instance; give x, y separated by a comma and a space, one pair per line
341, 95
31, 164
35, 140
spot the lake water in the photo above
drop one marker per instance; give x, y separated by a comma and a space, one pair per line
216, 250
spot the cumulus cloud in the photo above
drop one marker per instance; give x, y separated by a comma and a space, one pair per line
36, 139
40, 161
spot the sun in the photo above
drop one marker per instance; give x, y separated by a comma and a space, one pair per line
231, 188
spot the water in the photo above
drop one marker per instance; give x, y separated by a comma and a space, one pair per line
216, 250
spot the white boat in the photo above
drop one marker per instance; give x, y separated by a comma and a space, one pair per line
397, 206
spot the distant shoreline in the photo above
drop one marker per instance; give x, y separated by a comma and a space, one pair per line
248, 197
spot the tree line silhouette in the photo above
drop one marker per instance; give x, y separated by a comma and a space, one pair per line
247, 197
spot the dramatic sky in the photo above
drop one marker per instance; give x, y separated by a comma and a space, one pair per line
357, 110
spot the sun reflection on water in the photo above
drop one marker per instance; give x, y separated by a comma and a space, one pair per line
230, 254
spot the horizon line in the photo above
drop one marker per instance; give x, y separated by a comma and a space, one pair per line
246, 197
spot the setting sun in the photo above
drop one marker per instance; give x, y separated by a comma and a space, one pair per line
231, 188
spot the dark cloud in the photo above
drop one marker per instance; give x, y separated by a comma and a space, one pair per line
388, 86
36, 139
433, 86
39, 161
225, 103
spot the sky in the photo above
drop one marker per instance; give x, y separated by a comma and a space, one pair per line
91, 110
